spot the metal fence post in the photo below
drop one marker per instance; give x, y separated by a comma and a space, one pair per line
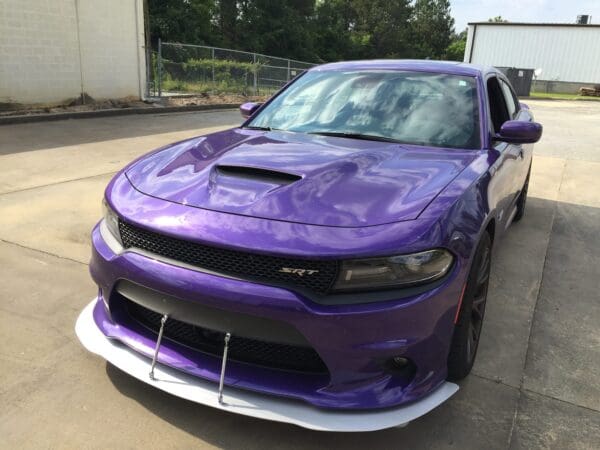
159, 68
213, 65
255, 71
289, 73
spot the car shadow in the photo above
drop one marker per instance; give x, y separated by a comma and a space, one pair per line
233, 431
481, 414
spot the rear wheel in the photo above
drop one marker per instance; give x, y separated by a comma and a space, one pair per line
467, 330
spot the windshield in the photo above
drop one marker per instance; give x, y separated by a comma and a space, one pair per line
408, 107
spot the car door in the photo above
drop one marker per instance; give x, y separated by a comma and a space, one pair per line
524, 151
505, 170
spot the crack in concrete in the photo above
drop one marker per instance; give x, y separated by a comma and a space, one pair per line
57, 183
521, 390
2, 240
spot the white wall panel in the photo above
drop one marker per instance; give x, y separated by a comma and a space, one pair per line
109, 48
39, 52
51, 50
564, 53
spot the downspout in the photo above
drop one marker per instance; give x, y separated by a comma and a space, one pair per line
148, 47
140, 49
82, 92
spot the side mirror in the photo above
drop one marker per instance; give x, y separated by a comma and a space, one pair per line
247, 109
517, 132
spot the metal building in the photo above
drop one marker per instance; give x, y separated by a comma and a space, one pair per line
565, 56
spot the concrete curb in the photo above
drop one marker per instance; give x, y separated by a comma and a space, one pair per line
8, 120
557, 99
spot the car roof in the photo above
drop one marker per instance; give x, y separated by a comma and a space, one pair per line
420, 65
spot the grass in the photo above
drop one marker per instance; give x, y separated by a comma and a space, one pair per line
556, 96
200, 87
219, 87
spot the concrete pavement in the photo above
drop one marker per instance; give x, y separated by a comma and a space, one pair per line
536, 383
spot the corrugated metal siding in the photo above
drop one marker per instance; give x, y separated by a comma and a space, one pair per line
563, 53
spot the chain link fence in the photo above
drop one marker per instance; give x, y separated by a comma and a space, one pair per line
178, 69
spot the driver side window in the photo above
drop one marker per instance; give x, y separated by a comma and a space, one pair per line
499, 111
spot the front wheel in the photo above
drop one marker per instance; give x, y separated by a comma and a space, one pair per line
467, 330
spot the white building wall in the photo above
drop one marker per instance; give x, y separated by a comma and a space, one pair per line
564, 53
111, 39
53, 50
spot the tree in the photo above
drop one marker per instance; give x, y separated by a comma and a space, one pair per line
181, 20
331, 25
381, 28
312, 30
277, 27
433, 27
350, 29
227, 11
456, 49
497, 19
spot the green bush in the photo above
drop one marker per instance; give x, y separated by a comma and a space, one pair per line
208, 75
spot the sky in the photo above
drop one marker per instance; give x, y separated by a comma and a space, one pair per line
555, 11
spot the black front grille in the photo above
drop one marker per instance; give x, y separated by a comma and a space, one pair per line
231, 262
241, 349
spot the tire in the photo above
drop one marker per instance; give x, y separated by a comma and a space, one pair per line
522, 199
467, 331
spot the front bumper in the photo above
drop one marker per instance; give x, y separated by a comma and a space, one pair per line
354, 341
246, 402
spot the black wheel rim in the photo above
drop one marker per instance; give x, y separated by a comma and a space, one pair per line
478, 304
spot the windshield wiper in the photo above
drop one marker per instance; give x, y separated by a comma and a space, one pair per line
251, 127
364, 137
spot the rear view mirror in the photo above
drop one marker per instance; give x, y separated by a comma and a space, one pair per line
247, 109
517, 132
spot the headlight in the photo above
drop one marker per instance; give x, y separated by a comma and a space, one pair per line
393, 271
112, 221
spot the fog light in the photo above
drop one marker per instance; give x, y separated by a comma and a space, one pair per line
402, 367
398, 362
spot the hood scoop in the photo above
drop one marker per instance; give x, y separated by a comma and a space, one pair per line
257, 174
234, 187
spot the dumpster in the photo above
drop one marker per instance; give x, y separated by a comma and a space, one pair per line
519, 78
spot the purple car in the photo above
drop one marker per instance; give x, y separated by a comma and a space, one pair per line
327, 262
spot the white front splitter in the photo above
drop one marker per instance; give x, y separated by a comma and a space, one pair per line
246, 402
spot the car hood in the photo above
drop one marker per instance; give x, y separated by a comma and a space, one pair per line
299, 178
